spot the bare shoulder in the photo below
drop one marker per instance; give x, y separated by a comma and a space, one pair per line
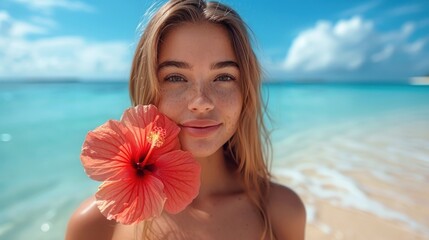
287, 213
88, 223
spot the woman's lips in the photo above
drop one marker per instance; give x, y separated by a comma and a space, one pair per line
200, 127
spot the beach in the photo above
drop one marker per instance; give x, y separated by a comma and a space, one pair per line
363, 179
357, 155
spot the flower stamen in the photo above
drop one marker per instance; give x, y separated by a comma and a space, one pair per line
156, 138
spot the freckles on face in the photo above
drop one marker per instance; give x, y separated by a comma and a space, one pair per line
199, 80
171, 98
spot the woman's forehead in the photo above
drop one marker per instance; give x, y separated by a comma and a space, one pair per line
197, 42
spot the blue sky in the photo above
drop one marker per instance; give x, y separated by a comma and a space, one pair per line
295, 40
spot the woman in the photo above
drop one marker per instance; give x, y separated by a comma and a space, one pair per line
195, 62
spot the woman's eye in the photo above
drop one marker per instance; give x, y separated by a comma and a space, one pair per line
225, 78
175, 78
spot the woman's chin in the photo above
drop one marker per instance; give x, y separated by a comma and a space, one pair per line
201, 153
200, 149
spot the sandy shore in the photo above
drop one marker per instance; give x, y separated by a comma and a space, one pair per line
338, 223
361, 180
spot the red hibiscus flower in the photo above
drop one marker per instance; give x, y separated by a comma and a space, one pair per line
141, 165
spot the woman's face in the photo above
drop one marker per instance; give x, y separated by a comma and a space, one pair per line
199, 81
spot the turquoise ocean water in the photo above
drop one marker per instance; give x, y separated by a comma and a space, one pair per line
42, 127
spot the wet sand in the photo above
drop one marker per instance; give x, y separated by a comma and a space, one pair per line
361, 180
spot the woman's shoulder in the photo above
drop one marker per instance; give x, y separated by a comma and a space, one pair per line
88, 223
287, 212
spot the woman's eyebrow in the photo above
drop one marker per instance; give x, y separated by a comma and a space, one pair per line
177, 64
224, 64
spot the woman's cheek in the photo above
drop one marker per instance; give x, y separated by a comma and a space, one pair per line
171, 102
229, 96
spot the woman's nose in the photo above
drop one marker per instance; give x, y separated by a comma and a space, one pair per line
200, 101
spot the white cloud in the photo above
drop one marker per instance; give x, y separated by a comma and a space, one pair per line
416, 46
404, 10
328, 46
43, 21
360, 9
4, 16
352, 45
48, 5
13, 28
383, 54
66, 56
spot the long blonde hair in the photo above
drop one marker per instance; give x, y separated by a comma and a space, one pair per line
246, 147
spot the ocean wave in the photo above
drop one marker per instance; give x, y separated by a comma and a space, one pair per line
379, 166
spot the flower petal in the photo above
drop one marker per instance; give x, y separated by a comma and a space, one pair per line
131, 200
143, 119
180, 174
107, 151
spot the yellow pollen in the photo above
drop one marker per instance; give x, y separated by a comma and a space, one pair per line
156, 137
